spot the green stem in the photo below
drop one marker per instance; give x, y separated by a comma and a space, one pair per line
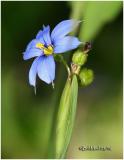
61, 59
66, 65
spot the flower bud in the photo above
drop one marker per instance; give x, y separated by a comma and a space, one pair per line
79, 58
86, 76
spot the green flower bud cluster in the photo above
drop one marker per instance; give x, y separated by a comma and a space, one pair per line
86, 76
79, 58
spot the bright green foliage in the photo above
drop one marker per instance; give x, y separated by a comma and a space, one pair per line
86, 76
66, 115
96, 15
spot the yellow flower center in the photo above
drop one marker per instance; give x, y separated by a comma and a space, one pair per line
47, 50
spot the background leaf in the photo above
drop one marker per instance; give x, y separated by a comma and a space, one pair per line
95, 15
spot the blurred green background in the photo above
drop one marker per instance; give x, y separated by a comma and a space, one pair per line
28, 120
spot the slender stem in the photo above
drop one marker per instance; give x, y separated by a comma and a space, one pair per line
61, 59
67, 67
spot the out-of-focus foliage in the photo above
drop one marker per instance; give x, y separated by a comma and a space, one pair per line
94, 16
28, 121
100, 123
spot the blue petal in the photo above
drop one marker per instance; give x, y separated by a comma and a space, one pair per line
66, 44
33, 52
46, 35
32, 44
33, 72
43, 26
39, 37
39, 34
46, 69
63, 28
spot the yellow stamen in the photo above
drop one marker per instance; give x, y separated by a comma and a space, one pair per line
47, 51
40, 45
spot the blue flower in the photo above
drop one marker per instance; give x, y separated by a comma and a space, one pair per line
45, 45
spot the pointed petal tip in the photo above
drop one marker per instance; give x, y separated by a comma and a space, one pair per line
76, 21
80, 21
53, 85
24, 56
31, 84
43, 26
64, 28
33, 52
46, 35
35, 90
33, 72
81, 43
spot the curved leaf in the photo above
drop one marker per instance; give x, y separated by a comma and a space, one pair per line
66, 115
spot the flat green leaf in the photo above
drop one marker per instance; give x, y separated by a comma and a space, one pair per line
96, 15
66, 115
